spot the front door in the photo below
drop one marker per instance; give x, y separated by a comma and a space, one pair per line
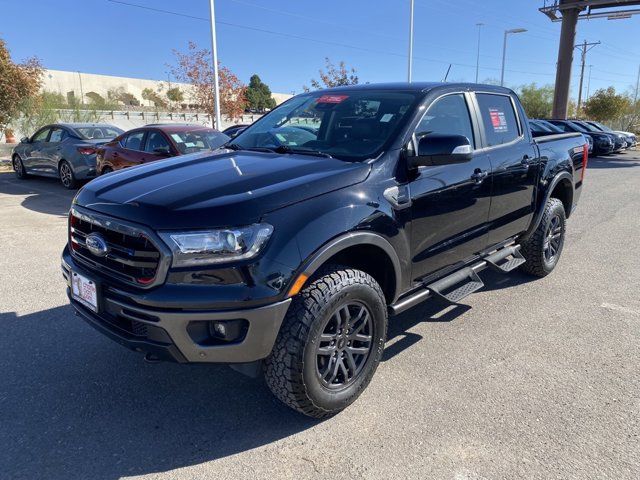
515, 165
450, 203
34, 154
51, 151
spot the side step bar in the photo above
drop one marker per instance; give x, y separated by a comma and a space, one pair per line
459, 284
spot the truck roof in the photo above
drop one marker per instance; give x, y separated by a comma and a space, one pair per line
419, 86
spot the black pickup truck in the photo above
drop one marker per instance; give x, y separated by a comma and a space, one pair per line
287, 252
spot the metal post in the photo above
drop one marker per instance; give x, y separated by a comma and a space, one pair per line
635, 97
583, 56
565, 59
214, 53
479, 25
588, 84
504, 55
410, 65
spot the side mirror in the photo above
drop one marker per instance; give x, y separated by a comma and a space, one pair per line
25, 140
162, 151
436, 149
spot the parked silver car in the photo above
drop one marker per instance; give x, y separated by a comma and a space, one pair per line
63, 150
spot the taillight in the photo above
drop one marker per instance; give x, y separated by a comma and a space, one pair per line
87, 150
585, 160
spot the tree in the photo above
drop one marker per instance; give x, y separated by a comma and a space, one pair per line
195, 67
537, 101
334, 76
121, 95
153, 97
606, 105
18, 84
175, 95
259, 95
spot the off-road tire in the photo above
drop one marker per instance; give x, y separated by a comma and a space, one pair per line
533, 249
18, 167
291, 369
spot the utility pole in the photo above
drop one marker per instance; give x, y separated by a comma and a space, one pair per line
410, 65
214, 53
588, 84
584, 47
479, 25
635, 97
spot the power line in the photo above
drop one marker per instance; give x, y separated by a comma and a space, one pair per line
325, 42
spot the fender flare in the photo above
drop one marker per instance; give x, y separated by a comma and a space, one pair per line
538, 215
342, 242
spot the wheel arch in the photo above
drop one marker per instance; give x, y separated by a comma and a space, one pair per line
355, 250
560, 187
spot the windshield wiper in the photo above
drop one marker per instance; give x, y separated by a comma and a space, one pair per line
300, 151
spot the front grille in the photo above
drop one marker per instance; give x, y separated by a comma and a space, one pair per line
131, 256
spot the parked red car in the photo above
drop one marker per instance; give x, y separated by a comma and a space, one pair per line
154, 142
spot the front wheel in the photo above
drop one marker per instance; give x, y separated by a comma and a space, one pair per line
543, 248
18, 167
330, 343
67, 176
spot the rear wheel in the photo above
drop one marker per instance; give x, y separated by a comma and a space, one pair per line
543, 248
67, 177
330, 343
18, 167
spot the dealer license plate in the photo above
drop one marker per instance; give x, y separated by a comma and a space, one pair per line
84, 291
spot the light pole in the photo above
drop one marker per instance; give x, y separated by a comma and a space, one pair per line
504, 49
410, 65
479, 25
214, 53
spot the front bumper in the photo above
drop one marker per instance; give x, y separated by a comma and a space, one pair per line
163, 332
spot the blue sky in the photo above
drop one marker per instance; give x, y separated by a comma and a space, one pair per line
99, 36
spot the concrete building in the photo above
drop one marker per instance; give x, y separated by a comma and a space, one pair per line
79, 84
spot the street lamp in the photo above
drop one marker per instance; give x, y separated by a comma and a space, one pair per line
479, 25
504, 49
214, 53
410, 64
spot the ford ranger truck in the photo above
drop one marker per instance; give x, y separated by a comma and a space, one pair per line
288, 251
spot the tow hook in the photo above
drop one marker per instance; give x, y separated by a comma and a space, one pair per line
151, 358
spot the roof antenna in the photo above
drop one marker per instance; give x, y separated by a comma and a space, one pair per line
447, 74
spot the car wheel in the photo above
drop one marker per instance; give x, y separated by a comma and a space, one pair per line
330, 343
18, 167
67, 177
543, 248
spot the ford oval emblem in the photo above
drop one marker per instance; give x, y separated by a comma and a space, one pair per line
97, 244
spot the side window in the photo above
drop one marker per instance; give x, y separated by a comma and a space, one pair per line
41, 136
499, 118
134, 141
57, 135
155, 141
447, 116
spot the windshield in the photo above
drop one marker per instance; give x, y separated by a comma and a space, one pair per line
578, 127
602, 128
197, 140
552, 128
98, 132
354, 125
589, 128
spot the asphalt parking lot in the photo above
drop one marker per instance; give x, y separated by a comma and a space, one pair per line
533, 379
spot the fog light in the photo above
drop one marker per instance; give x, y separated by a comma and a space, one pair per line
228, 330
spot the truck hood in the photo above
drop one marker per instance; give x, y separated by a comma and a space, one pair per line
204, 190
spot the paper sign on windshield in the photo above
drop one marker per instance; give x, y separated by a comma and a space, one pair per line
498, 120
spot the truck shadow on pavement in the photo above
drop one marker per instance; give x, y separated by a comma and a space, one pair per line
74, 405
42, 195
631, 159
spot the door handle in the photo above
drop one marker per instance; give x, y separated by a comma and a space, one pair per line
115, 154
479, 175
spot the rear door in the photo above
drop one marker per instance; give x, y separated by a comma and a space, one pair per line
132, 152
514, 161
450, 203
51, 150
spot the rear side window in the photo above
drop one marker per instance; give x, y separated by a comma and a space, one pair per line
447, 116
133, 141
57, 135
499, 118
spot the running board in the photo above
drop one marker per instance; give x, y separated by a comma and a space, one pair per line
456, 286
498, 260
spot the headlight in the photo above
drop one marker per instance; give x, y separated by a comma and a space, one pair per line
207, 247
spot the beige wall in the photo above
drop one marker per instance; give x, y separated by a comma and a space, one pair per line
77, 82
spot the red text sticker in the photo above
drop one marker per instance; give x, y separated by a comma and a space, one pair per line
498, 120
332, 98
